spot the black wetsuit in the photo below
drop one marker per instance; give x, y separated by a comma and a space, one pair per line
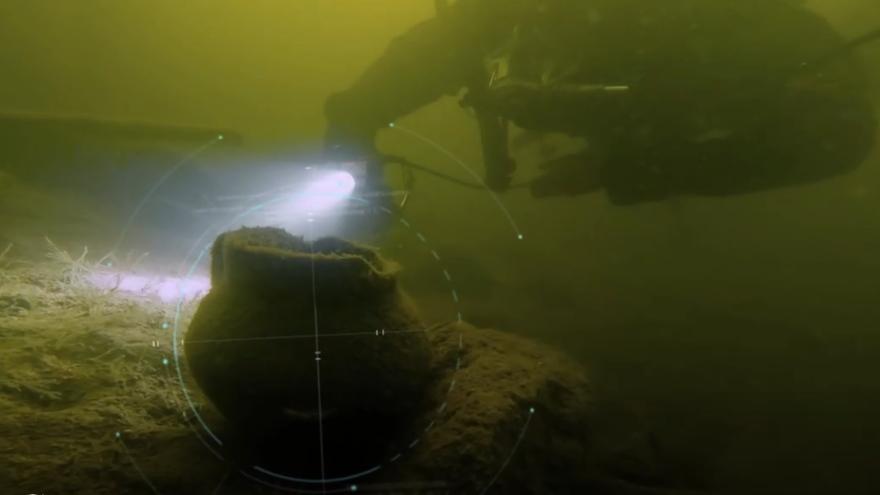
723, 97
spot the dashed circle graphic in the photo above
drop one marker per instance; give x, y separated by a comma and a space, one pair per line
189, 411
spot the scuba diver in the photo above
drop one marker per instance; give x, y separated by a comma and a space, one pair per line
670, 98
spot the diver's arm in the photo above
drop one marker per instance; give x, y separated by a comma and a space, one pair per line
807, 142
434, 58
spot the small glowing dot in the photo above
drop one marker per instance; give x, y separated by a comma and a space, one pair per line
118, 434
220, 137
165, 325
110, 264
531, 410
391, 125
165, 361
520, 237
354, 488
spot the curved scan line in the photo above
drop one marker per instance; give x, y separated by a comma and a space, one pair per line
522, 434
136, 466
463, 165
140, 206
291, 490
176, 333
317, 481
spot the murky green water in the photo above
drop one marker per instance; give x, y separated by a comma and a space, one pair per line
740, 329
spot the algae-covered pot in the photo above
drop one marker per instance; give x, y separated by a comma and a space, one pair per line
287, 320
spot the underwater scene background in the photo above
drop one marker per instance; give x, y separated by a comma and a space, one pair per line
735, 339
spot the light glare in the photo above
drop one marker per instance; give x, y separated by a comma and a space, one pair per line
328, 191
167, 289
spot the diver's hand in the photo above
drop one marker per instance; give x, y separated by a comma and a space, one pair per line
344, 144
350, 134
569, 175
516, 100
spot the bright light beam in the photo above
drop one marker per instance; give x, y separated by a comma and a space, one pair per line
326, 195
166, 288
327, 192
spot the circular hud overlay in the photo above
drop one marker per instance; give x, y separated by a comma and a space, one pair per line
312, 208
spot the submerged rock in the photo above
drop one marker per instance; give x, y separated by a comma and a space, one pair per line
512, 416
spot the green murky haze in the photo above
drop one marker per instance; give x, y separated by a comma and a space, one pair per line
744, 329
